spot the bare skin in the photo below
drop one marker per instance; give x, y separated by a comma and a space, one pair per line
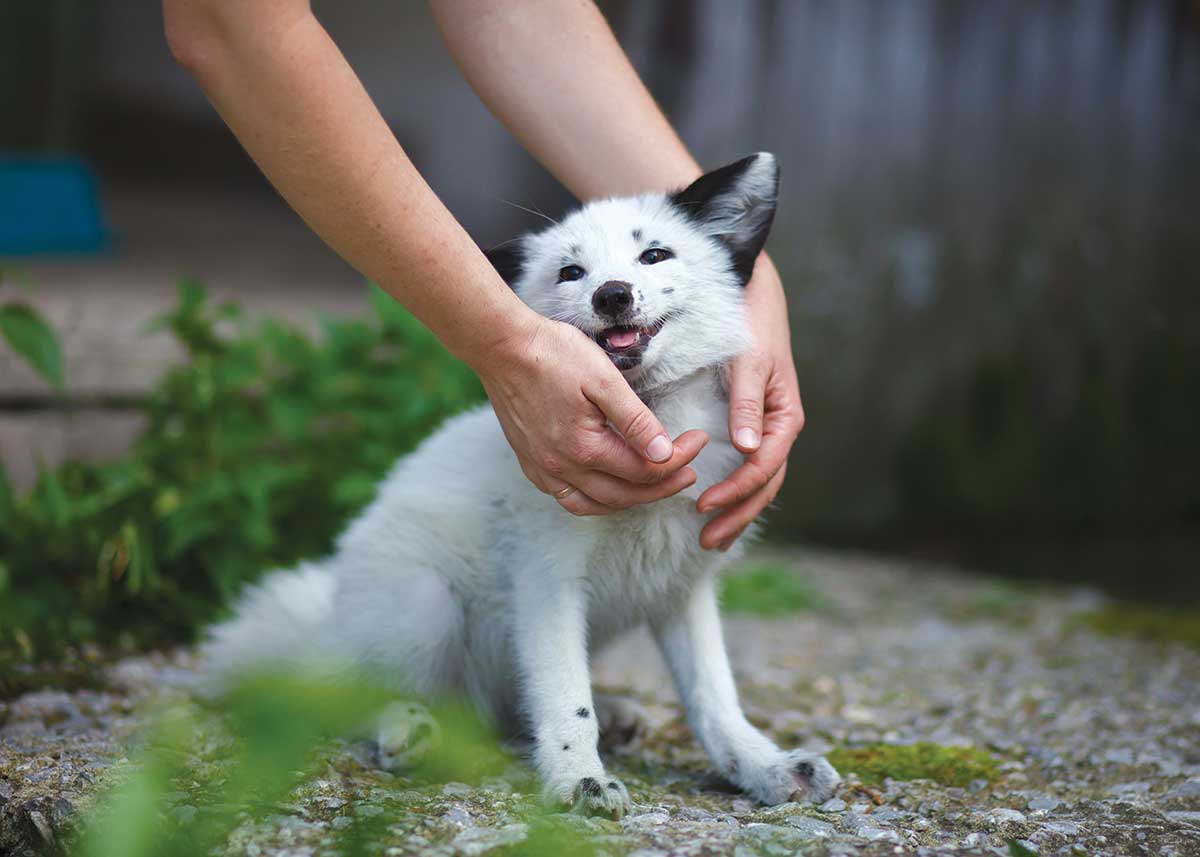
286, 91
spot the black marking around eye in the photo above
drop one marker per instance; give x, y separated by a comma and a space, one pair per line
581, 712
637, 235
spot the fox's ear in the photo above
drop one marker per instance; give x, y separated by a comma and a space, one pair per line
736, 205
508, 259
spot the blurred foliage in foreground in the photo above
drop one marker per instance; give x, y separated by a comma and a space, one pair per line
256, 449
265, 750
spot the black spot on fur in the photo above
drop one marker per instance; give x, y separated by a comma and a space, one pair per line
590, 787
805, 769
507, 259
613, 785
666, 290
566, 746
581, 712
637, 235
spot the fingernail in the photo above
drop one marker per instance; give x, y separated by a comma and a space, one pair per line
659, 448
747, 438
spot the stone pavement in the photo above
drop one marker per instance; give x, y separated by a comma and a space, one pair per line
1097, 739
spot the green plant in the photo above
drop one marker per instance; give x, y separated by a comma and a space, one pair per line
951, 766
1147, 623
255, 451
272, 736
28, 334
768, 590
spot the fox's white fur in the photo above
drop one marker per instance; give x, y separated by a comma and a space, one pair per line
462, 578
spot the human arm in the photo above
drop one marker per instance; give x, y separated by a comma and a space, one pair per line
554, 74
294, 103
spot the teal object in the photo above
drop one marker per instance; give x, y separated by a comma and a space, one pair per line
49, 205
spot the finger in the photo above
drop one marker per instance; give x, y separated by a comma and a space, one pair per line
630, 416
725, 528
619, 494
729, 542
580, 504
754, 473
615, 458
747, 391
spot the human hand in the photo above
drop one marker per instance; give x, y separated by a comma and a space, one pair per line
765, 414
555, 394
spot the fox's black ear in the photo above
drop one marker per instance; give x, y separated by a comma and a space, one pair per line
736, 205
508, 259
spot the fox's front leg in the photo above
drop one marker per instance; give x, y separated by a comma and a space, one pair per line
694, 648
550, 609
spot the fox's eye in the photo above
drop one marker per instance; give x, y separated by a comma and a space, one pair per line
655, 255
570, 272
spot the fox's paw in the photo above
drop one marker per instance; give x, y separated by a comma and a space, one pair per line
604, 795
793, 776
406, 733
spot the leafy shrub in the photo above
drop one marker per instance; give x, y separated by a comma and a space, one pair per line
256, 449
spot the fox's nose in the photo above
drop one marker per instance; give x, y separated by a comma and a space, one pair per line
613, 299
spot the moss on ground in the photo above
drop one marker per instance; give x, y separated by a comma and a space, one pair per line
1150, 623
768, 590
951, 766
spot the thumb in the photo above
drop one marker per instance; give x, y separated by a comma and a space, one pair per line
630, 416
747, 390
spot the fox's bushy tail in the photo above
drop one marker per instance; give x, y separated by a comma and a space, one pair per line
278, 623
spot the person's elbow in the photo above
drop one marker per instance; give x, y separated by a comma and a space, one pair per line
195, 29
199, 32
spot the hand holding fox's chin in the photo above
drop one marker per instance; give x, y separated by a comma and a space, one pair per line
557, 397
765, 413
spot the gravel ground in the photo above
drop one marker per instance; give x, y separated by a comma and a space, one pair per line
1097, 739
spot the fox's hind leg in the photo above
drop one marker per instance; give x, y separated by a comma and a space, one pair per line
621, 720
405, 627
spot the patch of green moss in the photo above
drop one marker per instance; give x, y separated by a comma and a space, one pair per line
951, 766
768, 590
1149, 623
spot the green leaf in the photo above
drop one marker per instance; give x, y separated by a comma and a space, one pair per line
30, 336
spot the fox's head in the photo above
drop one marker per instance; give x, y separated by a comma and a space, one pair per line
655, 280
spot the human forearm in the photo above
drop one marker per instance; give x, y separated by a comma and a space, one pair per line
294, 103
554, 74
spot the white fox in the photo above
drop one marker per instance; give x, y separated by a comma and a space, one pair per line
462, 578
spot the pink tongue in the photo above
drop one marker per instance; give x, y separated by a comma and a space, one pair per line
623, 338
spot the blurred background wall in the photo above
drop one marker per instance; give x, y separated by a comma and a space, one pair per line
990, 233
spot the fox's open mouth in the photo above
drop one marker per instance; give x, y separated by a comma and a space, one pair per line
625, 344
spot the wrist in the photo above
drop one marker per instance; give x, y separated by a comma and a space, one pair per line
766, 307
505, 344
